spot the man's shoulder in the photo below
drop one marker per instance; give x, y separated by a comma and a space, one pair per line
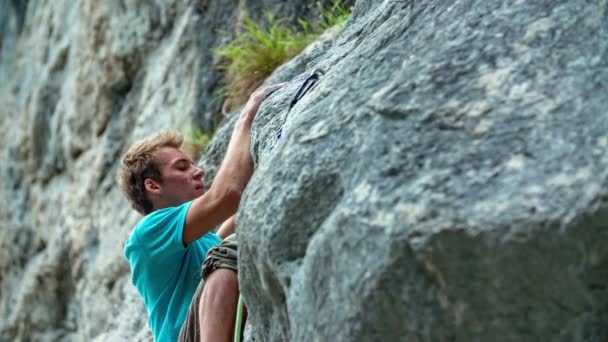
161, 230
136, 238
160, 218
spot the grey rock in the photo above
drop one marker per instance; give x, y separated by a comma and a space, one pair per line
445, 181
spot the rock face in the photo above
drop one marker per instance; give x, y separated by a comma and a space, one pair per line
446, 180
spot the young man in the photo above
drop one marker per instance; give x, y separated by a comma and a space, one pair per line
167, 247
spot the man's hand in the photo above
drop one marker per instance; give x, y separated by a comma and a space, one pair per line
255, 100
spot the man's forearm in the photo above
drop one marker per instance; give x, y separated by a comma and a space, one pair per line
237, 167
223, 198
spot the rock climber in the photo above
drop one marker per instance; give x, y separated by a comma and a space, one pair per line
172, 250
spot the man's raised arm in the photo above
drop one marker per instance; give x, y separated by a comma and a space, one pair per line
223, 198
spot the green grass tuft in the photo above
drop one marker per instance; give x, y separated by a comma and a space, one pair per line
336, 14
253, 55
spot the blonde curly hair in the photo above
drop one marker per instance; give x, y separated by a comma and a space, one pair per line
140, 163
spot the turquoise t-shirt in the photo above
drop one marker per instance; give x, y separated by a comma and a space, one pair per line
165, 272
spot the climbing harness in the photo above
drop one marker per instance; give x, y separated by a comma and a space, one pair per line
308, 84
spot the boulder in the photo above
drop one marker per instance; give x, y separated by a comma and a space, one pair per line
446, 180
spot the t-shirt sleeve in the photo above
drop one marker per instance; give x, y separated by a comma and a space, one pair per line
161, 232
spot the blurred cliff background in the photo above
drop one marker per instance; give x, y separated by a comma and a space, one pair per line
445, 180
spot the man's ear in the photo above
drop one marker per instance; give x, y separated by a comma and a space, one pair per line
152, 186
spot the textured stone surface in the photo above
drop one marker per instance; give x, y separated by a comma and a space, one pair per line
446, 180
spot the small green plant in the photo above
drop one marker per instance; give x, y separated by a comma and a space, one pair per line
253, 55
336, 14
195, 141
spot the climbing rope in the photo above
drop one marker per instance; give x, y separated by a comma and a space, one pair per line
239, 320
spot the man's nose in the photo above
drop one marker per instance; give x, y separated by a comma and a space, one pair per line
198, 173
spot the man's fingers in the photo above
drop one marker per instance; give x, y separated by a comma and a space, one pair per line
273, 87
260, 95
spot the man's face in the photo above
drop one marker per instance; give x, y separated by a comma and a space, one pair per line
181, 179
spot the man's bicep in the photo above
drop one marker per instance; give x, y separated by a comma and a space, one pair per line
205, 213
